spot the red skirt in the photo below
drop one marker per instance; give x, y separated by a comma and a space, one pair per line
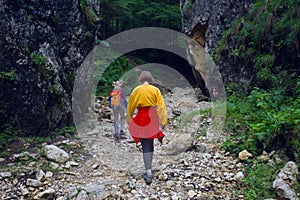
145, 125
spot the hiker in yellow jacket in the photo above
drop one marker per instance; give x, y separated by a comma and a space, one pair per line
150, 119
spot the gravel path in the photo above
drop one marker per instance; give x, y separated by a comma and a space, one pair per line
186, 166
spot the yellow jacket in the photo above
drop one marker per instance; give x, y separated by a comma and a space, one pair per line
147, 95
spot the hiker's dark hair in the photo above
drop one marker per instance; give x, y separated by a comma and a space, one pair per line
146, 76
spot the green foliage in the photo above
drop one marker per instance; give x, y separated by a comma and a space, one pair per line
41, 62
187, 5
187, 8
40, 140
7, 135
57, 91
71, 130
258, 182
264, 120
11, 75
90, 15
38, 59
266, 116
123, 15
112, 73
265, 40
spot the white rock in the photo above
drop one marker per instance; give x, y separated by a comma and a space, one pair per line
163, 177
33, 182
95, 189
49, 175
54, 165
24, 191
133, 191
239, 176
49, 193
170, 184
218, 179
179, 145
56, 154
95, 166
174, 197
5, 174
285, 180
239, 165
153, 197
72, 163
67, 165
191, 193
72, 191
40, 175
244, 155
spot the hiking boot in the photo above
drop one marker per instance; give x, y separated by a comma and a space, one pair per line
122, 135
147, 178
122, 132
117, 139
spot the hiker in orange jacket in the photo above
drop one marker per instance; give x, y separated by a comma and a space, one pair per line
118, 103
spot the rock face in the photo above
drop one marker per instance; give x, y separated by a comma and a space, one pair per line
205, 22
42, 43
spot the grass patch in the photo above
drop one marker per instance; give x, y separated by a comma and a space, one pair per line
259, 180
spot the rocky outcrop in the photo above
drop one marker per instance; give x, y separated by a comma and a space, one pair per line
206, 22
42, 43
285, 181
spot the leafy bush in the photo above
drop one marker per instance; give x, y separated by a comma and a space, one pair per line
90, 15
8, 75
265, 42
38, 59
112, 73
65, 130
264, 120
7, 135
266, 114
259, 181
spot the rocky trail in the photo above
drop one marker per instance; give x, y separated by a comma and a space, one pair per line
186, 166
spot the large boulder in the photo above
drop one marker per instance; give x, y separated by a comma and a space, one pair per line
56, 154
285, 181
179, 145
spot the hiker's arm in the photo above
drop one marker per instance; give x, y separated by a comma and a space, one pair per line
161, 110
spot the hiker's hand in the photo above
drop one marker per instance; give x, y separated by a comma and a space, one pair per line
128, 120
